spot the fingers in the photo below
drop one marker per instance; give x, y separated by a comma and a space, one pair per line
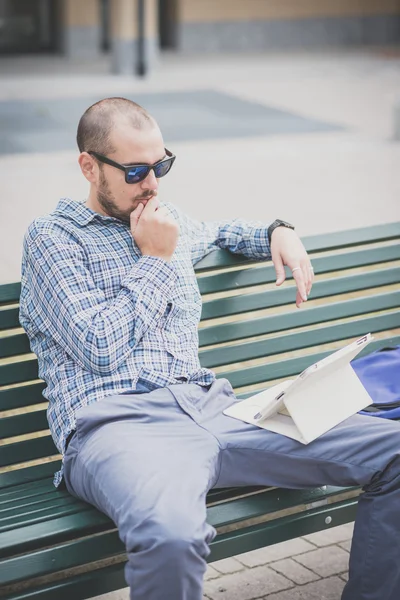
299, 300
310, 271
163, 212
279, 268
135, 216
308, 276
304, 277
301, 283
151, 205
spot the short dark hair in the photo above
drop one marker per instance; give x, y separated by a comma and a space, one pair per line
97, 122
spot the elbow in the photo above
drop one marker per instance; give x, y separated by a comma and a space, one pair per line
101, 368
104, 351
98, 357
104, 365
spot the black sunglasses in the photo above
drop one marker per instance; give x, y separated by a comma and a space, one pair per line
137, 172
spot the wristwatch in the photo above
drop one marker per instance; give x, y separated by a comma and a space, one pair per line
278, 223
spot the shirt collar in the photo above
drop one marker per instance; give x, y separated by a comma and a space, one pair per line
79, 212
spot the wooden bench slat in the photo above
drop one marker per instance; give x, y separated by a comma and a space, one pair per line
353, 237
31, 489
295, 341
224, 307
17, 513
25, 395
223, 282
19, 343
19, 372
282, 529
27, 501
235, 511
36, 518
317, 243
67, 556
269, 501
20, 452
10, 292
110, 578
9, 318
28, 475
57, 530
78, 587
17, 397
290, 367
23, 424
229, 332
61, 508
14, 345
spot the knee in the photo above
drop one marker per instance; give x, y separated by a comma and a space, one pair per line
174, 537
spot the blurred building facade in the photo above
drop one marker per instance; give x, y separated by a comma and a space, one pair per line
83, 29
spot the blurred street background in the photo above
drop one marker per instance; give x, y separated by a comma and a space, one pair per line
275, 109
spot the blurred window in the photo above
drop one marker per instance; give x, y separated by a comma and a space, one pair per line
168, 24
27, 25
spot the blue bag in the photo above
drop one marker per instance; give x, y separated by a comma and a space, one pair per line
379, 372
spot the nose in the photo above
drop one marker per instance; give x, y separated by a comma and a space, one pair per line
151, 181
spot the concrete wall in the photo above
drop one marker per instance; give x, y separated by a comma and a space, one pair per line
234, 10
124, 43
81, 28
212, 25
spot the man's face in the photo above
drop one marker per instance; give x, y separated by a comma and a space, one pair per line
115, 197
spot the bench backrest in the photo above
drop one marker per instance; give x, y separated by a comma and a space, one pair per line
251, 331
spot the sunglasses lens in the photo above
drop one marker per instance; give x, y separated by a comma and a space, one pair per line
136, 174
163, 167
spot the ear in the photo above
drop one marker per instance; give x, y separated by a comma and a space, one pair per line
89, 167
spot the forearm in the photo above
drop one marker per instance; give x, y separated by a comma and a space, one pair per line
105, 336
249, 238
98, 332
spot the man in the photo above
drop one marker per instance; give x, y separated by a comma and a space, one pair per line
111, 305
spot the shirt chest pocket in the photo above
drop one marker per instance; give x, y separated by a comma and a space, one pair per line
182, 313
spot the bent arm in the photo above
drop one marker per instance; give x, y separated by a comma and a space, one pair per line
99, 334
249, 238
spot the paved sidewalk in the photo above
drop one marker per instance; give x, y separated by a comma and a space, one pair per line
313, 567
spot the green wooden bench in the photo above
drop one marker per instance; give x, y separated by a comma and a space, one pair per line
53, 546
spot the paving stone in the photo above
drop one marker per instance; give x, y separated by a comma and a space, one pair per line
345, 545
331, 536
246, 585
275, 552
227, 565
211, 573
344, 576
293, 571
325, 561
117, 595
324, 589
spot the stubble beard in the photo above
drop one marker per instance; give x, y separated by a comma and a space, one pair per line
108, 204
107, 201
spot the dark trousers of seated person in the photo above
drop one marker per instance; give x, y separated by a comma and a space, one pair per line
148, 460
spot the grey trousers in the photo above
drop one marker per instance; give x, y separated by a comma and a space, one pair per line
147, 461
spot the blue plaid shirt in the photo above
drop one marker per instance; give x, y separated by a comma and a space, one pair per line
103, 319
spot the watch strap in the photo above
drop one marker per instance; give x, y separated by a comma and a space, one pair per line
278, 223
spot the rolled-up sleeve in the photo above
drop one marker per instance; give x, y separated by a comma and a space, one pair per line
249, 238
